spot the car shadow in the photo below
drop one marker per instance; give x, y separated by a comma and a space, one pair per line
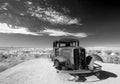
103, 75
106, 74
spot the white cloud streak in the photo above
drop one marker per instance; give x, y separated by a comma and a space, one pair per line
48, 14
4, 28
54, 32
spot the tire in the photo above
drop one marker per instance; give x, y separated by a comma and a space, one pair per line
57, 65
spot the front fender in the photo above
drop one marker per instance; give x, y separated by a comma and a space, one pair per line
94, 58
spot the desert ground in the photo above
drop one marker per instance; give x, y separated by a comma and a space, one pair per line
41, 71
33, 66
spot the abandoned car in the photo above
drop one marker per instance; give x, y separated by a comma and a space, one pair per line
69, 57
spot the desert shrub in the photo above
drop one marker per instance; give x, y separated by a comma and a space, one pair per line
2, 68
37, 56
23, 58
45, 55
117, 53
117, 60
108, 52
98, 51
26, 51
4, 56
112, 59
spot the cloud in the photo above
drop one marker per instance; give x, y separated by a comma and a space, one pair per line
46, 13
54, 32
47, 16
52, 16
4, 28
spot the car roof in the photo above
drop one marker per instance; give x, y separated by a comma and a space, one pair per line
67, 40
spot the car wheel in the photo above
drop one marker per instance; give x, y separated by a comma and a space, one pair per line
57, 65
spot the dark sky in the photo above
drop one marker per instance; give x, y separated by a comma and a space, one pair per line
100, 20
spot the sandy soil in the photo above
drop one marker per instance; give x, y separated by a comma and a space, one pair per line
41, 71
